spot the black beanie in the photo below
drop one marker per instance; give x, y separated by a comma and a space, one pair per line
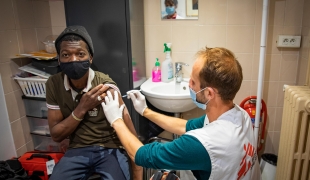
76, 30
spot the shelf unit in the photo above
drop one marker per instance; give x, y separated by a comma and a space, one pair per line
36, 111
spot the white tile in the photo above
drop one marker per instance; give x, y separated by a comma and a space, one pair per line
8, 44
241, 12
28, 40
276, 12
184, 38
289, 68
272, 67
305, 43
269, 148
276, 142
270, 93
7, 70
306, 13
240, 39
18, 134
246, 61
212, 36
24, 14
42, 33
302, 71
209, 12
156, 36
272, 36
7, 15
20, 151
278, 119
42, 14
244, 92
137, 34
58, 17
293, 12
271, 118
58, 30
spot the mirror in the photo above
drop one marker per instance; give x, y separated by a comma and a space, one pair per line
179, 9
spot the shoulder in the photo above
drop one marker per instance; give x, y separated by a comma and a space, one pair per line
217, 131
195, 123
101, 78
101, 75
201, 118
55, 79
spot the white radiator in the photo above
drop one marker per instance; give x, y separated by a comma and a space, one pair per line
294, 149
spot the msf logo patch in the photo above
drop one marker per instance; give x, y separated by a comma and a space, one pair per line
247, 161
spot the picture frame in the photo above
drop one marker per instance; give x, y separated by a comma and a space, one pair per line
190, 11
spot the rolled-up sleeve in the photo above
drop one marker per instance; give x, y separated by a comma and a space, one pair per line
195, 123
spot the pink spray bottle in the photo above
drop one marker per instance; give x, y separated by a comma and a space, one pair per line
156, 72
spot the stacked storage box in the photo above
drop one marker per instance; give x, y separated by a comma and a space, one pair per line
34, 91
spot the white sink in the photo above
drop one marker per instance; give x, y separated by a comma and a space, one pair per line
170, 97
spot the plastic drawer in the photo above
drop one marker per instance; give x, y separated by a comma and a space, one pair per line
35, 107
45, 143
38, 126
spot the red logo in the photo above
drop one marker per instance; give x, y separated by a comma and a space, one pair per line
247, 160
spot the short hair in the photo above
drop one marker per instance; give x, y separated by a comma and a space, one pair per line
72, 38
175, 2
221, 70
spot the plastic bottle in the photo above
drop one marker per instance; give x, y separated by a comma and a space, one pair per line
167, 65
135, 76
156, 72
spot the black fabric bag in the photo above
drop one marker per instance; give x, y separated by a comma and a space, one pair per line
12, 169
50, 66
165, 175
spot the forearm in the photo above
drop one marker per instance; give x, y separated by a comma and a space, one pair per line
64, 128
171, 124
128, 139
137, 171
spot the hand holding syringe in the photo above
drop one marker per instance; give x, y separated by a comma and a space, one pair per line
127, 95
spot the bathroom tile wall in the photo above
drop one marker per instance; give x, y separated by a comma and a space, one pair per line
23, 25
58, 18
304, 55
236, 25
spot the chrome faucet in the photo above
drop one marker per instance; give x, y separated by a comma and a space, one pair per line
178, 71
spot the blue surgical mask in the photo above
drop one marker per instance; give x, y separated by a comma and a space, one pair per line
194, 95
170, 10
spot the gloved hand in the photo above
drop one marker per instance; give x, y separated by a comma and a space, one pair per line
138, 101
111, 107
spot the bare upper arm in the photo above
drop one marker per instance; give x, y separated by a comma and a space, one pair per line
126, 115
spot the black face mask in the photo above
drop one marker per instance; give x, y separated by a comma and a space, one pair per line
75, 69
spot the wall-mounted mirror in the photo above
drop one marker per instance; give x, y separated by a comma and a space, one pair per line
179, 9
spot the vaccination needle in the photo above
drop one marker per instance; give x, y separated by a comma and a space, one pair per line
126, 94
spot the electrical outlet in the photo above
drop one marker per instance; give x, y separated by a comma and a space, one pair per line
288, 41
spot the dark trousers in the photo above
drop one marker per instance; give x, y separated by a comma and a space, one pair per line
81, 163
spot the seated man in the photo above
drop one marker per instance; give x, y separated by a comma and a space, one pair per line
74, 99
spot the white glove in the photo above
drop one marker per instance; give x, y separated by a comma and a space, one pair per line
138, 101
111, 107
